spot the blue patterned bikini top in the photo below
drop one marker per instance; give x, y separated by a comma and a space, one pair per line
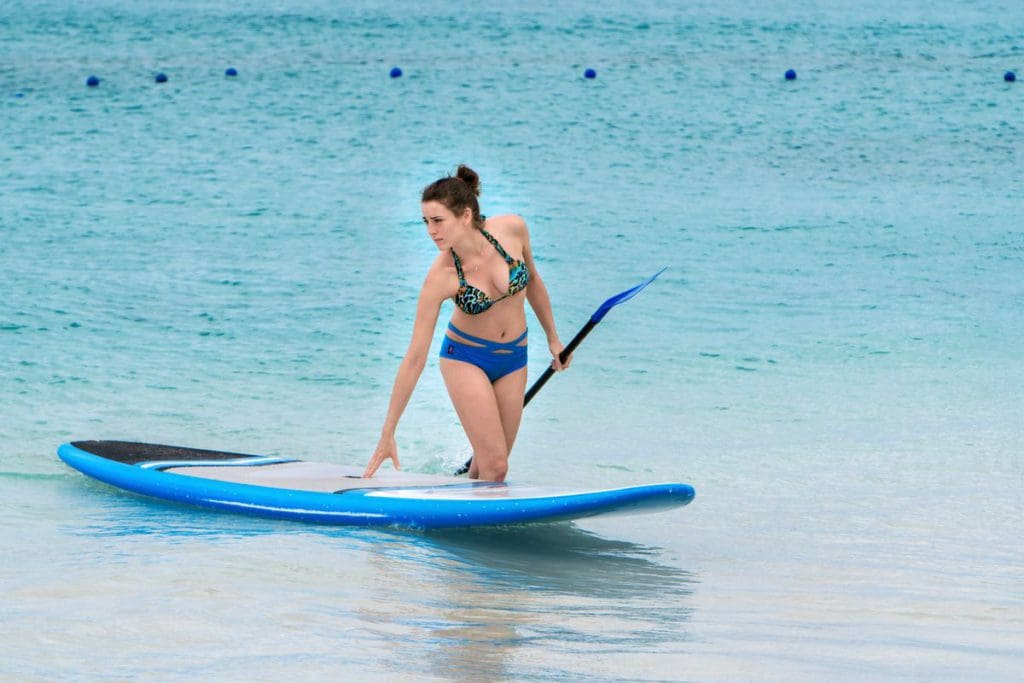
473, 300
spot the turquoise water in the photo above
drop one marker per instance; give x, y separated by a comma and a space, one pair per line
833, 358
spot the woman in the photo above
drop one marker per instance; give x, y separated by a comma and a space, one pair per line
487, 267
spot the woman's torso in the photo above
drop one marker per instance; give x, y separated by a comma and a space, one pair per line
505, 317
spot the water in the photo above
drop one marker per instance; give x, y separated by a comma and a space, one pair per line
832, 359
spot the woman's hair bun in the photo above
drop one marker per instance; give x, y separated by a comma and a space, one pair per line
470, 177
457, 192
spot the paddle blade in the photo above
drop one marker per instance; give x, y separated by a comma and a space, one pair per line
622, 296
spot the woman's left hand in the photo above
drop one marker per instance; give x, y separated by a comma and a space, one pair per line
556, 352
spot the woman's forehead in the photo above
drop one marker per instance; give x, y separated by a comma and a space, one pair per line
433, 208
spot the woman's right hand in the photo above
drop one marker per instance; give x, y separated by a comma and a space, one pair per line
387, 449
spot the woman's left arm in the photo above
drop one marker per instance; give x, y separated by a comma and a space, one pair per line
540, 302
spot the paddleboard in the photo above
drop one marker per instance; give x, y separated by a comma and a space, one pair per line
289, 488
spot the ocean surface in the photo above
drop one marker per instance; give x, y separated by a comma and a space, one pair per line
834, 358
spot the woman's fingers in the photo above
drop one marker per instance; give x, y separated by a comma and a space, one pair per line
385, 452
556, 357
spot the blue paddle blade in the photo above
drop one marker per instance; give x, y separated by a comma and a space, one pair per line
622, 296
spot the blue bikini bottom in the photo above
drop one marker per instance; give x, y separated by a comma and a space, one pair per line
496, 359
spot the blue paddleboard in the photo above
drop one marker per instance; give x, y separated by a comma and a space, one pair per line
287, 488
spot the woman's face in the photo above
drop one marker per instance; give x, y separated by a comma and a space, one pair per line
443, 226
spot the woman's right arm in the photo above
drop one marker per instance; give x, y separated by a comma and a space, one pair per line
427, 310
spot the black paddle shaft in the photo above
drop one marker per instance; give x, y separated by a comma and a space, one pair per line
548, 374
562, 357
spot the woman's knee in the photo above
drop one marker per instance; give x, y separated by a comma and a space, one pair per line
491, 463
495, 471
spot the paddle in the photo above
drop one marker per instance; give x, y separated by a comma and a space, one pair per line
598, 315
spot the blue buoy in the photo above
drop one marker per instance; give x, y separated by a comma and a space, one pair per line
396, 72
231, 71
161, 78
92, 81
590, 73
1009, 77
790, 75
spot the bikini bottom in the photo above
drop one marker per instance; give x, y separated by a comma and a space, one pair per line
496, 359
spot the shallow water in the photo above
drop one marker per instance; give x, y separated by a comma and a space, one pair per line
832, 358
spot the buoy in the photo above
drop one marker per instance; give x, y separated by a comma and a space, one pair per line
790, 75
92, 81
231, 71
161, 78
396, 72
1009, 77
590, 73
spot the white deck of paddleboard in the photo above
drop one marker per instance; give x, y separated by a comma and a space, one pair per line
330, 478
314, 476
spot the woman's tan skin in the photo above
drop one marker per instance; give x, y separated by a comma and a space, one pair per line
490, 413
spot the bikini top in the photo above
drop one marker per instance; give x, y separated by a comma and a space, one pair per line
473, 300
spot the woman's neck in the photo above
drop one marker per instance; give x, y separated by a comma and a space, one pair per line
472, 246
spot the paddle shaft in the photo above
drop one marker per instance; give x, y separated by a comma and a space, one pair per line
563, 357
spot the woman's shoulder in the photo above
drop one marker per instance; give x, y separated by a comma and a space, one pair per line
508, 224
507, 220
441, 276
442, 265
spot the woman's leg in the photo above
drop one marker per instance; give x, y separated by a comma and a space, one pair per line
476, 404
509, 391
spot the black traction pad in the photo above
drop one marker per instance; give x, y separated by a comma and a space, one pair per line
132, 453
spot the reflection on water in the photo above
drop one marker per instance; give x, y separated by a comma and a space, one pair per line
461, 604
560, 558
553, 588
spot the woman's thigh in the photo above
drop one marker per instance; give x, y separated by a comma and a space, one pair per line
477, 406
509, 391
